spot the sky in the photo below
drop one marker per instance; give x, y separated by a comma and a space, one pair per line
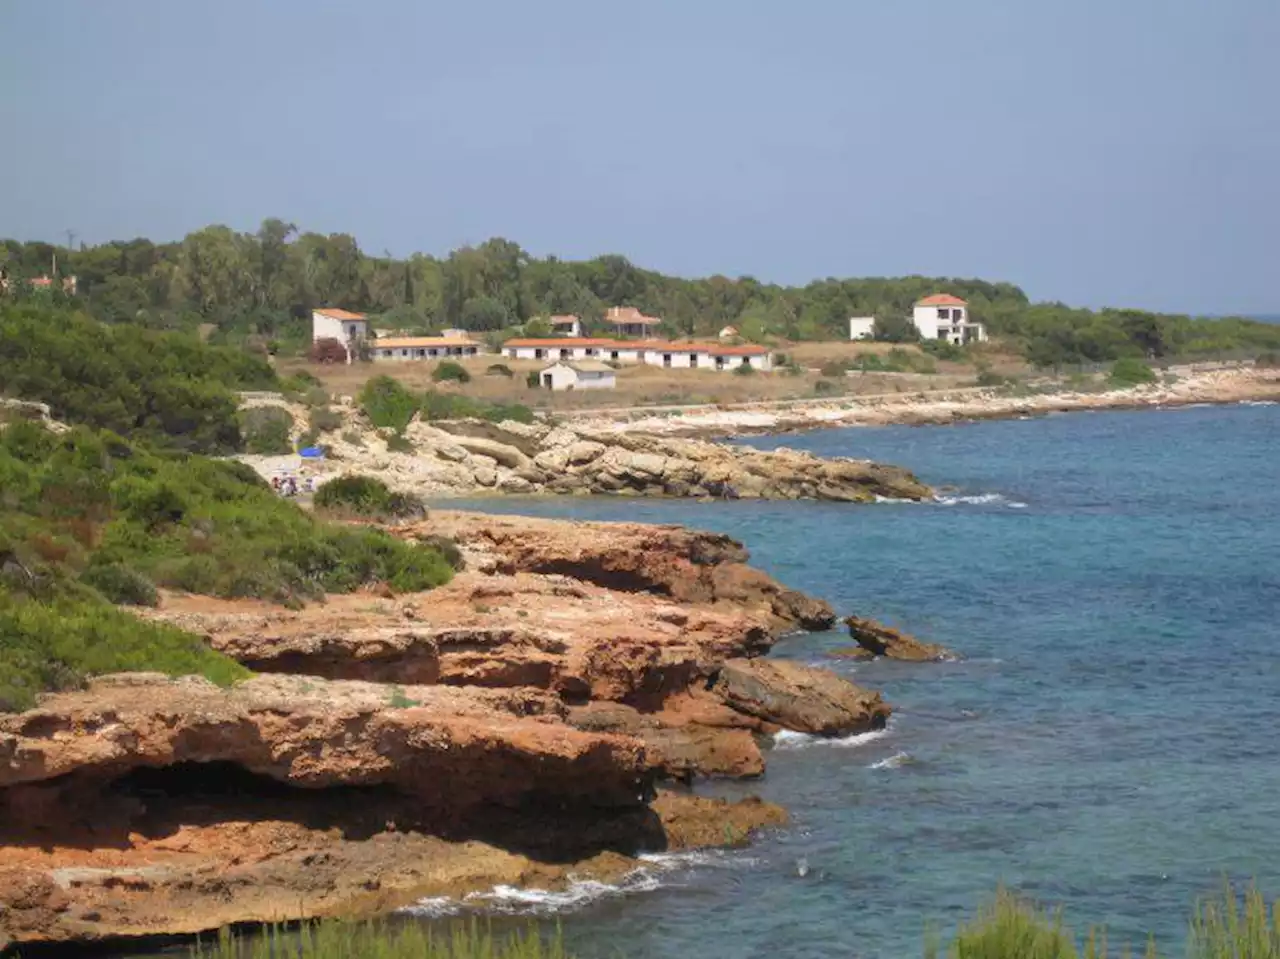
1099, 152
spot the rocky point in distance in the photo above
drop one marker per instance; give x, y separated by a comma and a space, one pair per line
542, 715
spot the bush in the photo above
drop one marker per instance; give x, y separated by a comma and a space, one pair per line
388, 404
533, 380
447, 548
324, 420
943, 350
366, 496
499, 369
300, 382
266, 430
448, 370
834, 369
744, 369
328, 351
353, 438
991, 378
1267, 361
1130, 371
380, 938
399, 443
824, 388
121, 585
316, 396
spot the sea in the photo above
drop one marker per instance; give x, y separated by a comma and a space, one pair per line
1108, 741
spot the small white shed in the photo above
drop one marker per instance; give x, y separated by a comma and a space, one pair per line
581, 375
862, 327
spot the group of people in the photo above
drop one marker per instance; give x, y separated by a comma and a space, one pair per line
288, 485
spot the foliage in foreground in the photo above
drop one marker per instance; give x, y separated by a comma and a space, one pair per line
1131, 371
88, 519
1011, 928
380, 939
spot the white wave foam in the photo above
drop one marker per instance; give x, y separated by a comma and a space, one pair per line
1257, 403
891, 762
579, 893
979, 499
787, 739
892, 499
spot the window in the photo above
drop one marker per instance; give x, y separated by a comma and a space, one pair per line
666, 359
719, 362
404, 352
433, 352
944, 313
565, 354
539, 354
386, 354
590, 351
746, 361
613, 355
693, 359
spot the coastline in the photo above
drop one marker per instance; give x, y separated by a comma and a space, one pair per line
936, 408
540, 722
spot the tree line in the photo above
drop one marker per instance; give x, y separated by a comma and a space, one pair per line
257, 289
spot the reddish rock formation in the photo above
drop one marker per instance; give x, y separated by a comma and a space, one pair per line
876, 639
799, 697
688, 566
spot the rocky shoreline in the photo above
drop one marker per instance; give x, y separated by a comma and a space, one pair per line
935, 408
476, 458
544, 717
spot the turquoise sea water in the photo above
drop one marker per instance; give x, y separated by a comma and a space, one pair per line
1110, 741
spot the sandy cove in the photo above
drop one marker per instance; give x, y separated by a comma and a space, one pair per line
545, 717
923, 408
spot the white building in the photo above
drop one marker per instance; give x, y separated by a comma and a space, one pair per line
946, 317
344, 326
628, 321
580, 375
862, 327
423, 348
700, 356
568, 325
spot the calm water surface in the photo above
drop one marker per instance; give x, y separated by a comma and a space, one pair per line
1111, 741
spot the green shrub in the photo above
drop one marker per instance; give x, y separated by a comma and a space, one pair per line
533, 380
353, 438
266, 430
448, 370
399, 443
943, 350
825, 388
301, 383
499, 369
447, 548
366, 496
380, 938
121, 585
744, 369
324, 420
834, 369
1130, 371
1269, 360
56, 646
388, 404
991, 378
316, 396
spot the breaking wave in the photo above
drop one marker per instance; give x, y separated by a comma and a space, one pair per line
979, 499
786, 739
578, 893
891, 762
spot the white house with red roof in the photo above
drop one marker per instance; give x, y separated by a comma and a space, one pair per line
628, 321
946, 317
331, 323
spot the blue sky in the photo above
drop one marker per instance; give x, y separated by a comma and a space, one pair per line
1102, 152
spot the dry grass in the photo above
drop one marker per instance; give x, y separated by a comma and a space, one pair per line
642, 385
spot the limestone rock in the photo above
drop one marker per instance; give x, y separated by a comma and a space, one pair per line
501, 453
880, 640
799, 697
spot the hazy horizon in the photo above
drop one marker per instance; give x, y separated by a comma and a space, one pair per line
1093, 155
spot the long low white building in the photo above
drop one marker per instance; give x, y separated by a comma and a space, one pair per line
423, 347
700, 356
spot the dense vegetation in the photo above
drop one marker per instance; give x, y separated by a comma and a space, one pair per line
258, 289
88, 518
379, 939
165, 388
366, 496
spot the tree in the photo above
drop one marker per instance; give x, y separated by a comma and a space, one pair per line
895, 328
328, 350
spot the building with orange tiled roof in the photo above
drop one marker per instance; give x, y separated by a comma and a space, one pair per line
946, 317
628, 321
348, 328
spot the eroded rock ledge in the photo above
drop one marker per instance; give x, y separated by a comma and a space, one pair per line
512, 727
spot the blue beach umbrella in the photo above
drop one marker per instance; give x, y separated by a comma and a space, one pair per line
311, 453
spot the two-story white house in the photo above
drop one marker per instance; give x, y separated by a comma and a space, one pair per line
331, 323
946, 317
628, 321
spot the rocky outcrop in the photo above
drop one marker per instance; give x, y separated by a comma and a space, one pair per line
799, 697
876, 639
688, 566
451, 749
468, 456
